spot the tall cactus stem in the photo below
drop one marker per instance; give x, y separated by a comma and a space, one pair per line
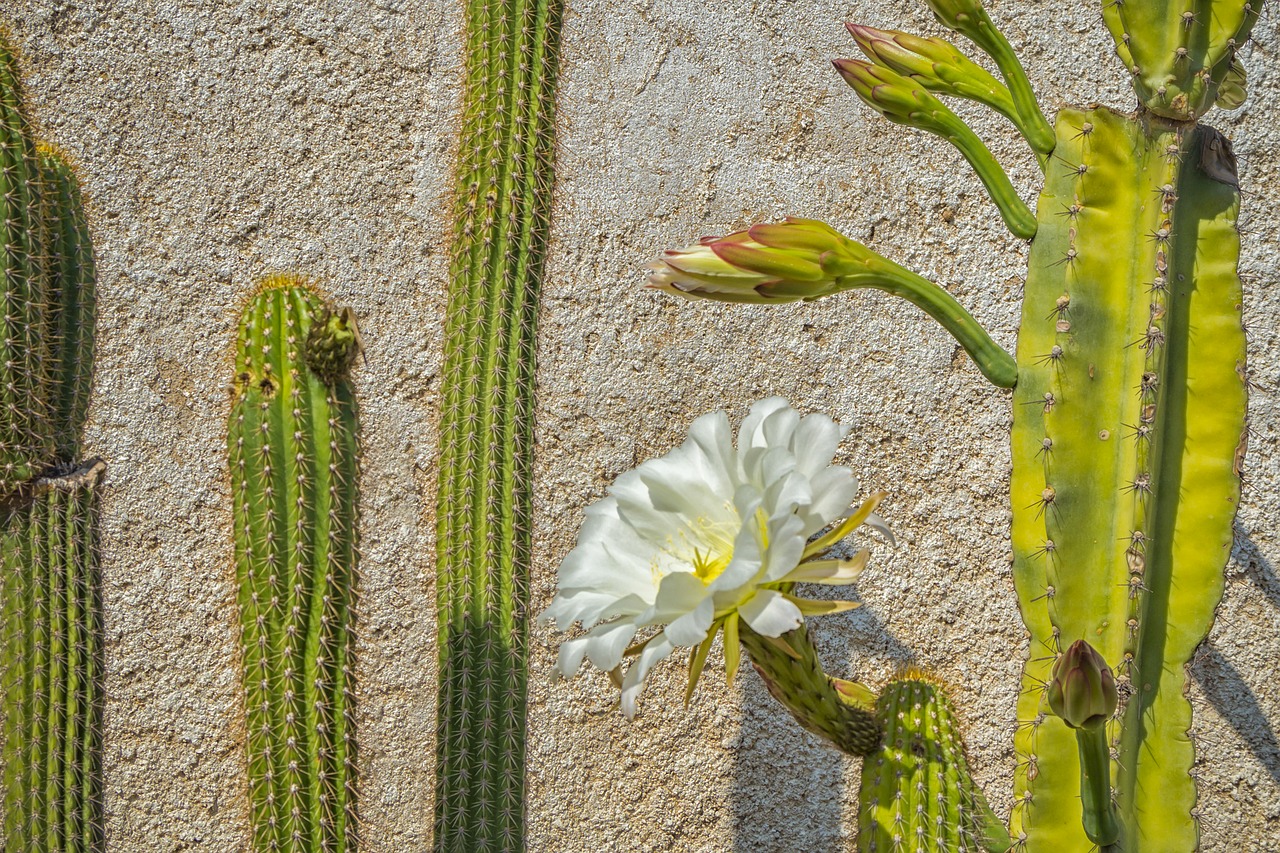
26, 436
503, 194
294, 458
51, 660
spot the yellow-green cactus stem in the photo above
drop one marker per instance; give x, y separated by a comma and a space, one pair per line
1183, 56
26, 437
294, 458
73, 285
503, 195
917, 795
1128, 429
51, 667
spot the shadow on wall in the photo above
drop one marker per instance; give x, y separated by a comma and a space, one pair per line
1223, 685
789, 785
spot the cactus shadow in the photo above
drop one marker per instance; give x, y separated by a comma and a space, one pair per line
1257, 568
1228, 692
789, 786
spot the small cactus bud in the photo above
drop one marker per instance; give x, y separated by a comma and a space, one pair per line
1082, 690
798, 259
899, 99
333, 343
956, 14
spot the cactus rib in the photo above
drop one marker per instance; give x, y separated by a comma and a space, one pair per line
503, 206
293, 445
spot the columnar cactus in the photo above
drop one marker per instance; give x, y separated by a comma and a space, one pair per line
1129, 397
50, 591
294, 458
51, 652
503, 203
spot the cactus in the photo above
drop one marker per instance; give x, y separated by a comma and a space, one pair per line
26, 437
51, 649
1129, 401
50, 593
292, 441
503, 205
917, 793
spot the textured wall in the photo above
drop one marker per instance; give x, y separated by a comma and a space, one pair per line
223, 140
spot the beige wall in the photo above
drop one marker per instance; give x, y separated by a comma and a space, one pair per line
223, 140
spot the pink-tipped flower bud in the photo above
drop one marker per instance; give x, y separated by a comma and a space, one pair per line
1082, 690
797, 259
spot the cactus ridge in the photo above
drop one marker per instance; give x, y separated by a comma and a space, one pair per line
51, 650
294, 459
917, 794
502, 207
1122, 400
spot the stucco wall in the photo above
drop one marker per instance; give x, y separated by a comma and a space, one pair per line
221, 140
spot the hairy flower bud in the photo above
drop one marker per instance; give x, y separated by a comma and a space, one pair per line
1082, 690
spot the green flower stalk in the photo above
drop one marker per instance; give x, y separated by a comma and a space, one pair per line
904, 101
806, 259
1082, 693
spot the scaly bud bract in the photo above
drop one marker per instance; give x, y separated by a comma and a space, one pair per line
1082, 691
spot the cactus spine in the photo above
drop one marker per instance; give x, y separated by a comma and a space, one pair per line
51, 637
294, 459
1129, 403
502, 212
50, 592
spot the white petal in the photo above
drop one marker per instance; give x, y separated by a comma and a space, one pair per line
832, 572
657, 649
815, 443
606, 643
833, 489
712, 436
786, 547
569, 661
751, 433
771, 614
678, 593
691, 628
878, 524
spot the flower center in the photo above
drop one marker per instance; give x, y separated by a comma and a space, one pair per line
707, 567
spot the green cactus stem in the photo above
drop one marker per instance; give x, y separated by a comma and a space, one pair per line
1128, 427
73, 300
917, 794
840, 711
26, 437
294, 458
51, 661
502, 213
1183, 56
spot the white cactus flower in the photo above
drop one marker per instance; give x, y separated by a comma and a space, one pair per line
702, 537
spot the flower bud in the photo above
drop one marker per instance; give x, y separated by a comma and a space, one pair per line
956, 14
798, 259
1082, 690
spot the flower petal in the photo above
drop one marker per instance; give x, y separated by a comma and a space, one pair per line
832, 572
657, 649
606, 643
770, 613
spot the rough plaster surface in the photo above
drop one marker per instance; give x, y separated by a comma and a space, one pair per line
223, 140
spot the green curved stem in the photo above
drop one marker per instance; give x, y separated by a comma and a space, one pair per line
1099, 815
1013, 210
882, 274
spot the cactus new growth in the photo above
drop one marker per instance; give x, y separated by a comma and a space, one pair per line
294, 459
503, 195
51, 651
1129, 397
